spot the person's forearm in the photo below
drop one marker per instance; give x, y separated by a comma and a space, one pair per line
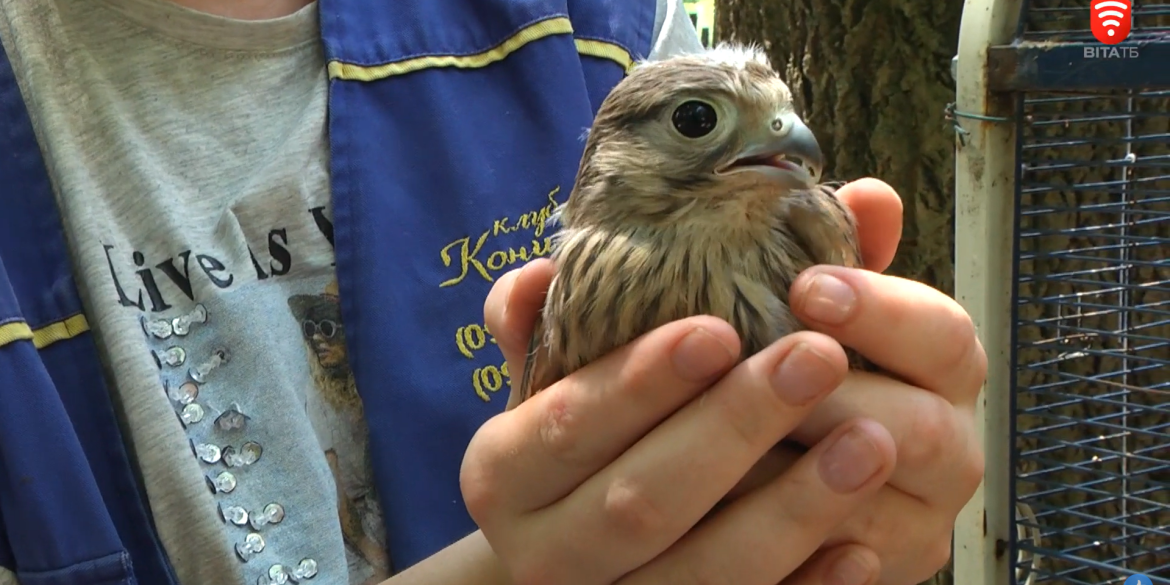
470, 561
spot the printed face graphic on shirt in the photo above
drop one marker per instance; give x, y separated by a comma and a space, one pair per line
320, 319
336, 403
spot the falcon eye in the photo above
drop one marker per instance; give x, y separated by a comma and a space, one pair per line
694, 119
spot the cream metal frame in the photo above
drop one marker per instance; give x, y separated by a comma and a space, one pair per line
985, 180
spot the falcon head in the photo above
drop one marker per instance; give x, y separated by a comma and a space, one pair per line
717, 125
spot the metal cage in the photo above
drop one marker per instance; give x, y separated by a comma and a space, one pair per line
1063, 260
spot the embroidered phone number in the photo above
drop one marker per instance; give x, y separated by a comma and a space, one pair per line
491, 378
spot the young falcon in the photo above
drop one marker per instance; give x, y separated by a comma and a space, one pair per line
697, 193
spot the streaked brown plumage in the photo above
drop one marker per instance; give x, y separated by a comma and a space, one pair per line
677, 213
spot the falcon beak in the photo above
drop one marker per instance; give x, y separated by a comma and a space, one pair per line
785, 150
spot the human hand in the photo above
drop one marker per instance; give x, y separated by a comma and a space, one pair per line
605, 476
926, 339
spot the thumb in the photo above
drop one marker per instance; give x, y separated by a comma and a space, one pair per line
879, 220
511, 309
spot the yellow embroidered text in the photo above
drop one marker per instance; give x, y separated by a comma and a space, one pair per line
469, 256
486, 380
490, 379
472, 338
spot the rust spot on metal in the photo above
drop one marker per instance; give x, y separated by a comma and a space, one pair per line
1002, 65
1001, 547
1045, 45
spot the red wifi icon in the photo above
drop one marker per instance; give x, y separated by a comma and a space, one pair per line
1111, 20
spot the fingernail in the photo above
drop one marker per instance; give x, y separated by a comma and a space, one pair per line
850, 462
802, 375
850, 569
701, 355
828, 299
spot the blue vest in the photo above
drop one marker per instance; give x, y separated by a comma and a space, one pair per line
455, 127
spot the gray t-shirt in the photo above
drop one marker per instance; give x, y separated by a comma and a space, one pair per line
190, 160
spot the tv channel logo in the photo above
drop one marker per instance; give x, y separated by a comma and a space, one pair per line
1111, 21
1138, 579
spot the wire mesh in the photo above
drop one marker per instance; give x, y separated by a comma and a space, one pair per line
1092, 339
1091, 398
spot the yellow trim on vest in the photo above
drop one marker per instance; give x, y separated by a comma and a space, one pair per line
604, 50
533, 32
12, 332
45, 336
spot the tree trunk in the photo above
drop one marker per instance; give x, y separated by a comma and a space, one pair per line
872, 79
